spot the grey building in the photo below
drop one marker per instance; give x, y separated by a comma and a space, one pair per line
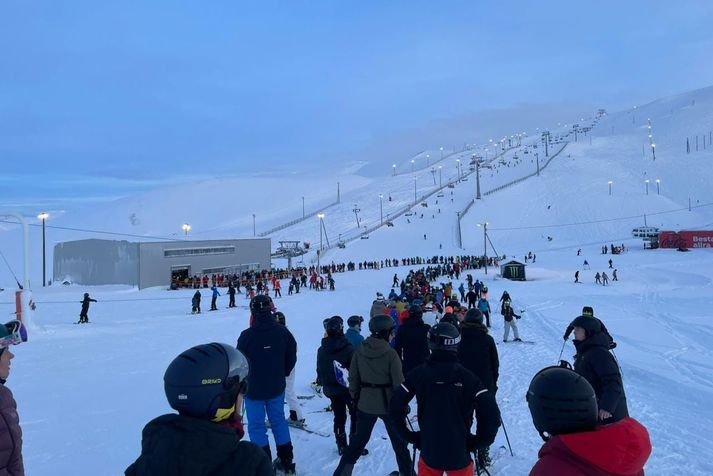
147, 264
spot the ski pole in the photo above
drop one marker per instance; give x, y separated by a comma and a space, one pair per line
562, 351
413, 458
506, 435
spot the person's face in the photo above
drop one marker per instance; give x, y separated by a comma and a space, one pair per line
5, 359
579, 334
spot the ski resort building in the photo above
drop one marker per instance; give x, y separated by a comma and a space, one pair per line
147, 264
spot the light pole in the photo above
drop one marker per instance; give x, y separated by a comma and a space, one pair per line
653, 150
440, 176
43, 218
537, 158
415, 199
303, 207
647, 186
458, 168
381, 208
393, 167
428, 160
321, 227
441, 153
254, 225
477, 180
186, 228
610, 182
658, 187
413, 163
485, 245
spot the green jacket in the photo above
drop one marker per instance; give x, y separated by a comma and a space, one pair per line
374, 373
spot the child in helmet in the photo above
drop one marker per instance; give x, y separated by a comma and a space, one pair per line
12, 333
205, 385
508, 315
83, 314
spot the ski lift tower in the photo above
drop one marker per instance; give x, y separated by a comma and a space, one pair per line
23, 296
288, 250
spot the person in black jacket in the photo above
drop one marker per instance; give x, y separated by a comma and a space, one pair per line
595, 363
83, 316
477, 350
411, 341
271, 351
205, 385
336, 348
505, 297
587, 311
447, 394
510, 316
472, 298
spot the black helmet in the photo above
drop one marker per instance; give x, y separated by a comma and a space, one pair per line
587, 311
561, 401
334, 326
354, 321
86, 294
204, 381
381, 323
280, 317
443, 336
591, 325
474, 316
415, 311
260, 304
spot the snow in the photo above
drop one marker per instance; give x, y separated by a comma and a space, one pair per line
84, 392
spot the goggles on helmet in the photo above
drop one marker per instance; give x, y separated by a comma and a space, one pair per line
17, 334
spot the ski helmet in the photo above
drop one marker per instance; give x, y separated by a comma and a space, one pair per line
334, 326
261, 304
354, 321
280, 317
204, 381
587, 311
474, 316
415, 311
443, 336
381, 323
591, 325
506, 303
561, 401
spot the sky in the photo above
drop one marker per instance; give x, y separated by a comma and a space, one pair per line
102, 99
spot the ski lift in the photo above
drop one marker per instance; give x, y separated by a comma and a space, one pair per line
440, 195
364, 237
341, 244
424, 204
389, 223
408, 214
450, 185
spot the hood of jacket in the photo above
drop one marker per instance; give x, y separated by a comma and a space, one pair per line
600, 339
334, 344
470, 328
374, 348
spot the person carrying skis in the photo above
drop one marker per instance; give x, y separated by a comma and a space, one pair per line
272, 353
293, 403
353, 334
336, 349
196, 302
214, 298
207, 430
83, 314
447, 395
564, 412
374, 373
508, 315
411, 340
231, 294
484, 307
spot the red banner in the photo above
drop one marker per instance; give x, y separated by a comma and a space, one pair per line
686, 239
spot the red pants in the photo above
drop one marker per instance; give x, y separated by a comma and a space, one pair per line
425, 470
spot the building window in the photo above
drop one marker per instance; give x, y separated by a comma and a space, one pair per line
211, 250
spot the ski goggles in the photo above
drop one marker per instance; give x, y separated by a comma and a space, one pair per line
17, 334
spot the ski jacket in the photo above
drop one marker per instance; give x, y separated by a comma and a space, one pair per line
378, 308
271, 351
595, 363
10, 435
175, 445
477, 352
508, 314
354, 337
619, 449
333, 348
373, 374
447, 393
215, 291
505, 297
472, 297
85, 303
483, 305
411, 343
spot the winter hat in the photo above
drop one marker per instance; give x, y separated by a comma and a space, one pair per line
354, 321
474, 316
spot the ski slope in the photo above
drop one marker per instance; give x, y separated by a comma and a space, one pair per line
85, 392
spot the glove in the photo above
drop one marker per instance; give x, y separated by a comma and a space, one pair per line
518, 317
414, 437
472, 443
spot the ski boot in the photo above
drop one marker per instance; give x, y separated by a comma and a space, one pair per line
341, 439
283, 464
296, 421
517, 339
484, 458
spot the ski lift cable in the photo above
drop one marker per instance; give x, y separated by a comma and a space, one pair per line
99, 232
10, 268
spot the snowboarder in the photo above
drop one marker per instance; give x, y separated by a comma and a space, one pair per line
290, 394
336, 349
272, 353
83, 314
484, 307
564, 410
374, 373
353, 334
576, 276
595, 363
214, 298
196, 302
597, 278
508, 315
207, 426
411, 341
231, 294
444, 436
614, 276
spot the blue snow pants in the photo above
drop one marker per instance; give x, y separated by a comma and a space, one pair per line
274, 408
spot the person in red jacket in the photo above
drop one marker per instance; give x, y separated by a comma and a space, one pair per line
564, 411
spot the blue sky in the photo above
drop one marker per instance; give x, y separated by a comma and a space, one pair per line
105, 98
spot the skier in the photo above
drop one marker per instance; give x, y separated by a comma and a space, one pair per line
272, 353
586, 265
83, 314
12, 333
214, 298
472, 298
411, 340
579, 251
205, 385
445, 412
396, 281
503, 298
597, 279
461, 290
576, 276
293, 403
336, 348
508, 315
564, 411
614, 276
611, 264
231, 294
374, 373
196, 302
605, 279
278, 289
353, 334
595, 363
484, 307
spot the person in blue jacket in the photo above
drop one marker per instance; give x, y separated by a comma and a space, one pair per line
393, 295
214, 299
484, 307
271, 351
353, 334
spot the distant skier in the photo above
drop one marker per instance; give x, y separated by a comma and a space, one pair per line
196, 302
611, 264
396, 281
472, 298
277, 288
484, 307
576, 276
508, 315
231, 294
83, 315
614, 276
586, 265
214, 299
461, 290
597, 278
605, 279
579, 251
